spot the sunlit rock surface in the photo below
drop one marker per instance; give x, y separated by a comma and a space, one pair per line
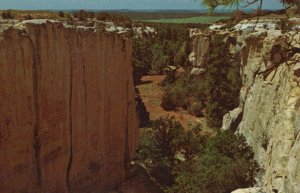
271, 107
268, 115
67, 118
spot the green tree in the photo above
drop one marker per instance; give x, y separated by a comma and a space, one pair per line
7, 14
225, 164
168, 101
169, 136
218, 164
158, 147
142, 57
222, 83
61, 14
215, 93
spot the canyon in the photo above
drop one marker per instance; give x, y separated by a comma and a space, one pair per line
68, 119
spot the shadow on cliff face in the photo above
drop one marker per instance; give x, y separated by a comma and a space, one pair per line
138, 181
143, 114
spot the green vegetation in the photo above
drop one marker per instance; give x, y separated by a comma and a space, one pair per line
225, 164
170, 45
61, 14
160, 145
222, 83
7, 14
184, 162
215, 93
212, 95
28, 17
199, 19
181, 93
154, 15
153, 53
120, 20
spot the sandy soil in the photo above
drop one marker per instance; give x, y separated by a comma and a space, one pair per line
151, 94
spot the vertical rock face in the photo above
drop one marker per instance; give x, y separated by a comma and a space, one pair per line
67, 118
269, 111
201, 47
270, 100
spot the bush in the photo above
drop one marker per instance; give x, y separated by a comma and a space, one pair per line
182, 92
28, 17
215, 93
158, 147
7, 14
83, 15
185, 161
142, 58
61, 14
159, 63
225, 164
103, 16
196, 109
223, 82
170, 78
168, 102
153, 53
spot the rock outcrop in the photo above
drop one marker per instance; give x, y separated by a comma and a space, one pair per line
270, 99
247, 190
201, 48
269, 111
67, 119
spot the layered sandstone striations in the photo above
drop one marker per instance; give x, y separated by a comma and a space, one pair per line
67, 118
269, 111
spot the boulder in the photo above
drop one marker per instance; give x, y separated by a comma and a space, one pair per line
248, 190
232, 119
197, 71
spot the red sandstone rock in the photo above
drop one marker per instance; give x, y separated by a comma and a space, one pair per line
67, 110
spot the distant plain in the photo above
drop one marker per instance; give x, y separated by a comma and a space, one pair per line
198, 19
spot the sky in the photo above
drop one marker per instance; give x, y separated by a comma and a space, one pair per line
113, 4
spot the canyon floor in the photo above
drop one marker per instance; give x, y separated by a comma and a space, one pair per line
151, 93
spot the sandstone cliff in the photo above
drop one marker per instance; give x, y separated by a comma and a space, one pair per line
270, 101
67, 118
269, 111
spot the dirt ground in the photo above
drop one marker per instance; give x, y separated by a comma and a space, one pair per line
151, 94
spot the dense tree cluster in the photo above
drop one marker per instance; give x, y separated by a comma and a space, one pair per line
83, 15
214, 93
7, 14
186, 161
182, 93
170, 46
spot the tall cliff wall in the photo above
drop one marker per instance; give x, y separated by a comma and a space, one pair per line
67, 118
269, 111
270, 102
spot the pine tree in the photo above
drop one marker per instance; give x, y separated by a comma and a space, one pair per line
222, 83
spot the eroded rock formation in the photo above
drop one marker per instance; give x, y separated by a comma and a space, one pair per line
270, 99
269, 111
67, 118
